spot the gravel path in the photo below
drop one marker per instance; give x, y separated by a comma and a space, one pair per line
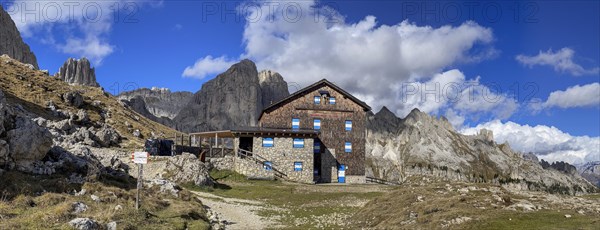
239, 213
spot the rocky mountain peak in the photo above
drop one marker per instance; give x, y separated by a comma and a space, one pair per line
417, 117
591, 172
11, 42
245, 67
78, 72
156, 103
234, 98
273, 87
385, 113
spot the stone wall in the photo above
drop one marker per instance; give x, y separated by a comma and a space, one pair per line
252, 169
282, 157
356, 179
222, 163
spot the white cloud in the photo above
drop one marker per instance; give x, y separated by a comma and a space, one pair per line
90, 47
562, 61
547, 142
206, 66
368, 59
451, 92
575, 96
79, 28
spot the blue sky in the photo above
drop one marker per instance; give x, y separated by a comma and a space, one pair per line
518, 51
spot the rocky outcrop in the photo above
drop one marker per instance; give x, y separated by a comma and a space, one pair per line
11, 42
272, 86
424, 145
159, 102
84, 224
232, 99
22, 141
591, 172
138, 104
78, 72
560, 166
188, 168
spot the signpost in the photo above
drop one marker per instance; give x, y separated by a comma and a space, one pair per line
139, 158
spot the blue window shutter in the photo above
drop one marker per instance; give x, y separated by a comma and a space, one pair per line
317, 124
348, 147
317, 100
348, 125
298, 143
295, 123
267, 142
297, 166
267, 165
332, 100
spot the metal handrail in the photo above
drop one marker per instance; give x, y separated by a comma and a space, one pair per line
261, 160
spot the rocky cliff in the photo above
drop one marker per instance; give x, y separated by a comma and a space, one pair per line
591, 172
22, 141
423, 145
159, 102
78, 72
11, 42
272, 86
232, 99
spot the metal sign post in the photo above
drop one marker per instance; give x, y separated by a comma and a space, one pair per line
140, 159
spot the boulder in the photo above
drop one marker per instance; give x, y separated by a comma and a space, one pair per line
84, 224
79, 207
166, 186
111, 225
74, 99
28, 141
107, 136
189, 168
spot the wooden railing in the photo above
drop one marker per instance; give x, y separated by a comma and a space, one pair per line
381, 181
217, 152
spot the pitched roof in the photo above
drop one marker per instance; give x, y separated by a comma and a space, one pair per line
315, 85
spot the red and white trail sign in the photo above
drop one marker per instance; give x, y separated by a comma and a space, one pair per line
139, 157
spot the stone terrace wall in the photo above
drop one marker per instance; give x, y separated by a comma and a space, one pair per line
283, 156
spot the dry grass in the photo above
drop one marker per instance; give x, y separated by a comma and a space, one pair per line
33, 90
433, 205
53, 210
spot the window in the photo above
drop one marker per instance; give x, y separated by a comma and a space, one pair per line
348, 147
295, 123
317, 100
317, 124
267, 165
348, 125
332, 100
297, 166
298, 143
267, 142
317, 146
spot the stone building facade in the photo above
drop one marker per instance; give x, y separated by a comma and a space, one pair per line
316, 134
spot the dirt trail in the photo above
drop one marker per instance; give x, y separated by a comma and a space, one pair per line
239, 213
